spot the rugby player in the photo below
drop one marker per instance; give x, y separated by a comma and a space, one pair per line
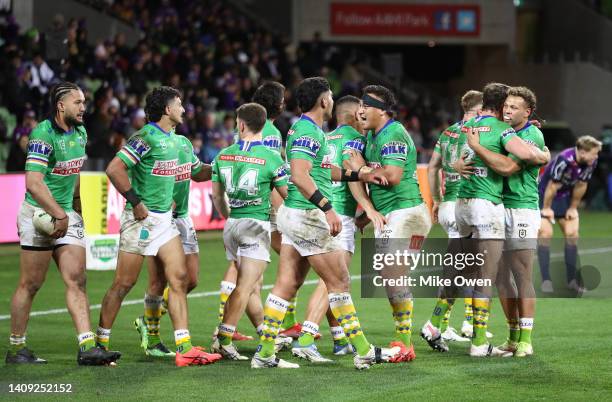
247, 172
56, 151
444, 155
479, 211
309, 226
345, 196
561, 189
148, 325
144, 172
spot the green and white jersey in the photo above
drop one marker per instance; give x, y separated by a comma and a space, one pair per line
340, 142
306, 140
521, 189
272, 136
448, 145
151, 155
59, 156
485, 183
249, 170
188, 164
393, 146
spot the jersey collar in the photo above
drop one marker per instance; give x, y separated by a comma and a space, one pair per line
304, 117
525, 127
159, 128
58, 129
247, 145
387, 124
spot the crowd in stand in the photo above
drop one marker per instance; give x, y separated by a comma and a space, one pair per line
215, 55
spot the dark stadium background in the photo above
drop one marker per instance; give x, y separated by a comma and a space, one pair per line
217, 52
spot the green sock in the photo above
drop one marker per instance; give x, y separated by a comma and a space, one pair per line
16, 343
289, 320
481, 318
402, 316
514, 330
469, 311
438, 312
226, 334
341, 305
274, 311
446, 318
526, 326
87, 340
152, 315
305, 339
182, 340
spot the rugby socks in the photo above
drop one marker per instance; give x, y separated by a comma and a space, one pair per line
514, 330
402, 316
341, 305
309, 331
103, 337
338, 336
481, 317
16, 343
87, 340
544, 261
226, 333
226, 290
469, 311
446, 318
182, 341
438, 313
571, 257
274, 312
259, 329
526, 326
289, 320
152, 315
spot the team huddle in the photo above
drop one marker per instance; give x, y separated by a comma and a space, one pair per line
302, 201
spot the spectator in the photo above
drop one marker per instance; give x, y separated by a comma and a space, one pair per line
17, 154
41, 75
28, 124
214, 146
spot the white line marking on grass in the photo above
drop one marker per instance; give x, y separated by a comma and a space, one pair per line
139, 301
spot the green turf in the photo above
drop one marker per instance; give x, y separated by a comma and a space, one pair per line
571, 339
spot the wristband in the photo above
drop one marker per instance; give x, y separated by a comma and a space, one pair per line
131, 197
320, 201
350, 175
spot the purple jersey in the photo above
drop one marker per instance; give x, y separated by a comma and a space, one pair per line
566, 170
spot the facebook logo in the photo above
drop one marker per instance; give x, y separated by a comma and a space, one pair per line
442, 20
466, 21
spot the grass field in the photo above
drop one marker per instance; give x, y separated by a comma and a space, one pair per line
571, 340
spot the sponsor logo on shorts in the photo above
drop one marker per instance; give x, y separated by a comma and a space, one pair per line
246, 246
237, 203
183, 172
165, 168
67, 168
241, 158
522, 233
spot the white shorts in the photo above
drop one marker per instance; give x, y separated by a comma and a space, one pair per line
188, 234
522, 226
306, 230
480, 219
246, 237
30, 237
146, 237
412, 224
273, 226
446, 217
347, 235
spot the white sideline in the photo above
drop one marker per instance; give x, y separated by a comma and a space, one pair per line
265, 287
139, 301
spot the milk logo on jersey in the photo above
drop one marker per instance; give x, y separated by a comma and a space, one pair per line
306, 144
183, 172
280, 173
272, 142
394, 150
356, 144
39, 147
507, 132
165, 168
139, 146
67, 168
530, 142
